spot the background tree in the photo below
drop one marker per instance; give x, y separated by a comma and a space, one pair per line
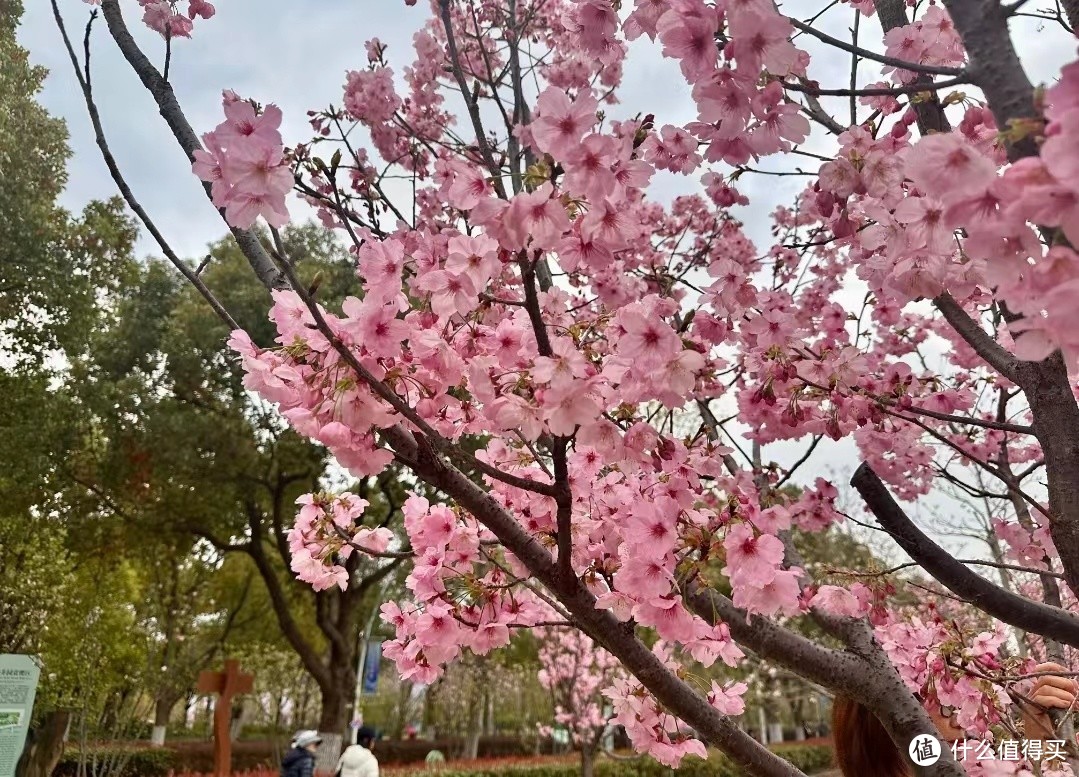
188, 618
576, 672
52, 264
181, 446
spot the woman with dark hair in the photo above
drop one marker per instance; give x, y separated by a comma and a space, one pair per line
864, 749
358, 760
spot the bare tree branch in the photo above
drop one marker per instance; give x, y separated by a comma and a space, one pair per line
85, 85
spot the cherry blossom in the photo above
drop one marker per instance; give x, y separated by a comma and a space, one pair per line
564, 355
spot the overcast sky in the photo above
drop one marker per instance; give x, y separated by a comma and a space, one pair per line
296, 53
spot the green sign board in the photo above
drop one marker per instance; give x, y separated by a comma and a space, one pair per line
18, 684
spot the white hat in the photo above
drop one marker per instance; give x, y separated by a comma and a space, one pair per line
305, 738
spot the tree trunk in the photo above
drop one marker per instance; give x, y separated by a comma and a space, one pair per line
338, 696
336, 712
429, 713
300, 710
239, 720
472, 744
333, 718
44, 746
190, 711
162, 713
588, 757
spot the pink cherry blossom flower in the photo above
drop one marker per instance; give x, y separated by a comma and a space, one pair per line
688, 35
535, 216
752, 557
560, 122
647, 340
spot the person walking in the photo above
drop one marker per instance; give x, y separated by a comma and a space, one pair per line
299, 761
358, 760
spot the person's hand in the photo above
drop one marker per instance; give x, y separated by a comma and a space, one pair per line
1048, 692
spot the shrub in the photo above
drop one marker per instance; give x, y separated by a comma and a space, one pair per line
807, 758
117, 761
407, 751
198, 756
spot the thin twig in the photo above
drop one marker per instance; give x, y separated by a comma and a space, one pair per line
914, 88
121, 183
913, 67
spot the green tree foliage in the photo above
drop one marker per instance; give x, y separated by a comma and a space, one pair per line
176, 447
52, 265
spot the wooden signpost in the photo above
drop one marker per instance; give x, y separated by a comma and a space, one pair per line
225, 684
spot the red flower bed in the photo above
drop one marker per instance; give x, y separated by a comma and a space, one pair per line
477, 763
485, 763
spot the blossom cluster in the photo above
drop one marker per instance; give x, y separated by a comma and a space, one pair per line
328, 529
244, 162
164, 17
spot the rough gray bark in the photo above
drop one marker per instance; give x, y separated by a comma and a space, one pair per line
863, 672
1056, 425
994, 64
1071, 10
588, 758
475, 730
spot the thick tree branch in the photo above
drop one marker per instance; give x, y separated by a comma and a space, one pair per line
1071, 10
814, 110
863, 672
277, 508
930, 113
983, 25
970, 330
600, 625
281, 606
326, 619
1055, 418
564, 511
987, 596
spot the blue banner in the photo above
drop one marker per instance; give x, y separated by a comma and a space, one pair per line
372, 661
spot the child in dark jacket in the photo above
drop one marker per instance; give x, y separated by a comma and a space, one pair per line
300, 760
